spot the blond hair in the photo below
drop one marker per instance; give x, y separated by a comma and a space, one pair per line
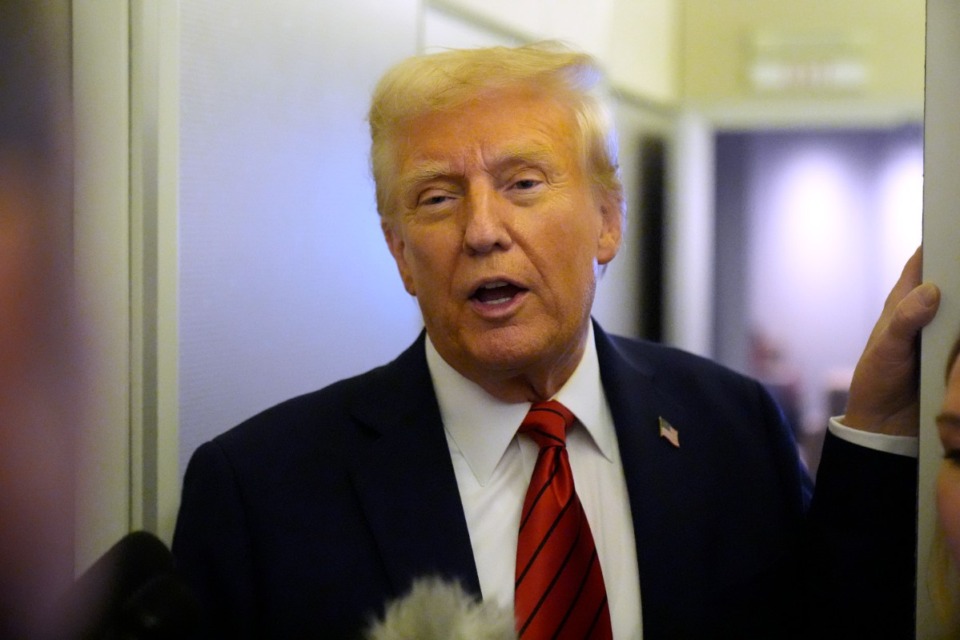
441, 82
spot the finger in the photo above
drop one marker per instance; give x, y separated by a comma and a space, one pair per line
915, 311
910, 278
910, 315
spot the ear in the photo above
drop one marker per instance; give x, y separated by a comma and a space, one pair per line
611, 229
394, 237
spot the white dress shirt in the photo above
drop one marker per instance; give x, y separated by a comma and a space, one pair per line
900, 445
493, 467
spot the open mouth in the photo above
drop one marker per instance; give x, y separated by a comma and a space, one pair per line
498, 292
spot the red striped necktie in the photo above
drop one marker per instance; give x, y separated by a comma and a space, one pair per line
559, 584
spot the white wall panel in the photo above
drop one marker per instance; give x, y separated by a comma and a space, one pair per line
286, 284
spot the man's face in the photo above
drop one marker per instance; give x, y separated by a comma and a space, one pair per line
499, 233
948, 481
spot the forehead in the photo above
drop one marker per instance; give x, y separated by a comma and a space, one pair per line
497, 126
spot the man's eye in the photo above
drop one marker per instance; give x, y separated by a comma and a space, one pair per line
526, 184
432, 199
953, 456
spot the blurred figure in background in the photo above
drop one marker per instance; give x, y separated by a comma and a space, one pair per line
39, 381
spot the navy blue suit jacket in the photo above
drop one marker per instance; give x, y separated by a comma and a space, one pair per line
304, 520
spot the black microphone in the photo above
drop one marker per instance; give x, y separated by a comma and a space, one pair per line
132, 592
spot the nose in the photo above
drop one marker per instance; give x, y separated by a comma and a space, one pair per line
485, 227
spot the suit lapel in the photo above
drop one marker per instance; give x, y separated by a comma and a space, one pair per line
406, 483
655, 473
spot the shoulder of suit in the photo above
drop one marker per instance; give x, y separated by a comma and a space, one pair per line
661, 358
685, 377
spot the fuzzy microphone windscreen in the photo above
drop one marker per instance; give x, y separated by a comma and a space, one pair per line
436, 609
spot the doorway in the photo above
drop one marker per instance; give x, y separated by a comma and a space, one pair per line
812, 229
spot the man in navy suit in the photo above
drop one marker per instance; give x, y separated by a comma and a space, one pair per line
500, 201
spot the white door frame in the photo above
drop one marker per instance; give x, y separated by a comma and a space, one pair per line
941, 264
126, 119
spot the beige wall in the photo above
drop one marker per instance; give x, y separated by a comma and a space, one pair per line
699, 51
636, 41
718, 44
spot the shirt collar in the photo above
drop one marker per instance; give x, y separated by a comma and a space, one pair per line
482, 427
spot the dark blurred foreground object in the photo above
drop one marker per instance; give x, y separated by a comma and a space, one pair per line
42, 410
132, 592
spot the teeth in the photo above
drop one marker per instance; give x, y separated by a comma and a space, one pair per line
495, 292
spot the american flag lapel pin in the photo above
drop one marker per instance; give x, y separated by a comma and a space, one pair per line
667, 431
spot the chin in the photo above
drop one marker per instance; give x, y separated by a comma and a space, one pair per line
509, 359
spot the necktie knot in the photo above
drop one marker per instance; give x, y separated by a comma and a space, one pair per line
547, 423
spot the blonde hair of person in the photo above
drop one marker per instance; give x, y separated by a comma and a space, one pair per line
944, 579
442, 82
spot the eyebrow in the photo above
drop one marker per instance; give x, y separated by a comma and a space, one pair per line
948, 419
425, 172
509, 156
